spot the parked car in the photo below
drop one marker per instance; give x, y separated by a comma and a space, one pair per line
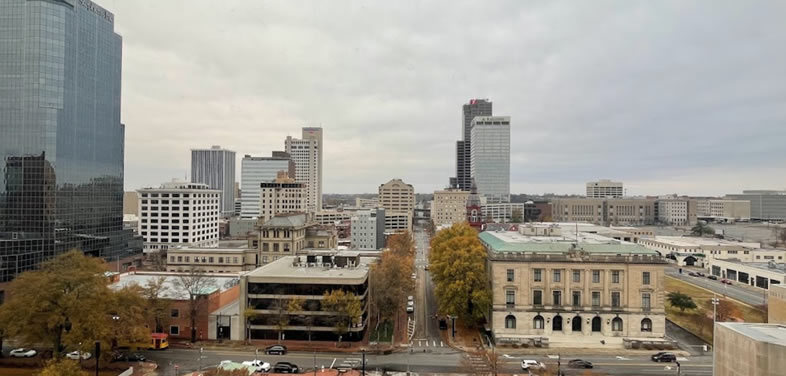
128, 357
259, 365
692, 274
712, 277
410, 298
410, 308
276, 350
75, 355
578, 363
285, 367
726, 281
22, 353
700, 274
414, 275
532, 365
664, 357
426, 267
443, 324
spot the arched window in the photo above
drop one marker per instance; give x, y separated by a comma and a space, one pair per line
646, 325
510, 322
556, 323
537, 322
616, 324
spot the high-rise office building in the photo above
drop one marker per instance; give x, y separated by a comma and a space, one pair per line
475, 107
257, 170
490, 157
216, 168
604, 188
306, 152
283, 195
61, 139
398, 200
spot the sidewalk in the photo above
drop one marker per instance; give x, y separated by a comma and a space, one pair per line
317, 346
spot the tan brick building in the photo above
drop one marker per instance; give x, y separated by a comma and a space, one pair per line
749, 349
573, 286
605, 211
776, 304
449, 207
398, 199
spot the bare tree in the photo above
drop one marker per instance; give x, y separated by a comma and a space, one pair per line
197, 285
156, 308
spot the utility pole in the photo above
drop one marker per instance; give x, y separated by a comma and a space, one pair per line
715, 302
364, 363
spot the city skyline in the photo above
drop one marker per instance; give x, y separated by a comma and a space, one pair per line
705, 101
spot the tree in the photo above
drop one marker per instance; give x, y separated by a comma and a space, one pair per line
681, 301
458, 268
248, 315
197, 286
391, 282
157, 309
726, 311
516, 216
67, 302
60, 367
346, 306
701, 229
402, 244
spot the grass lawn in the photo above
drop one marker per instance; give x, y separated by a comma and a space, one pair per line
383, 333
699, 321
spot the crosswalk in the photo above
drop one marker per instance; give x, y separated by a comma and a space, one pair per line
410, 328
351, 363
479, 363
427, 343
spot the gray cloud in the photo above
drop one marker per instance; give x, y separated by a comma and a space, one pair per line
668, 96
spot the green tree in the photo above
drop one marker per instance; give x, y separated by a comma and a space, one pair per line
701, 229
680, 300
67, 302
62, 367
197, 286
346, 306
516, 216
458, 267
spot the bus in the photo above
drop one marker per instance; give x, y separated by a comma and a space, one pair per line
158, 341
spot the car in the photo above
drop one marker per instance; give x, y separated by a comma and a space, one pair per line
532, 365
75, 355
259, 365
692, 274
414, 275
276, 350
410, 303
713, 277
578, 363
664, 357
426, 267
700, 274
285, 367
131, 357
443, 324
726, 281
410, 298
410, 308
22, 353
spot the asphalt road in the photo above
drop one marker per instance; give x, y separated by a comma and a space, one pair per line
187, 361
427, 333
743, 294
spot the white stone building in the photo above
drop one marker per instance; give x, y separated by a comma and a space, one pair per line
449, 207
604, 188
281, 196
306, 152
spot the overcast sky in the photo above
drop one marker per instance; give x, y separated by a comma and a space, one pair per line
667, 96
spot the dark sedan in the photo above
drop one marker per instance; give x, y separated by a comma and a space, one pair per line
285, 367
276, 350
578, 363
664, 357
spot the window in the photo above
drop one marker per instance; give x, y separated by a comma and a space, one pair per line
577, 276
174, 330
211, 259
557, 275
537, 274
537, 297
577, 298
596, 298
234, 260
179, 258
510, 322
616, 324
265, 247
510, 275
646, 325
537, 322
171, 258
645, 278
596, 276
615, 276
615, 299
510, 297
220, 260
645, 301
174, 312
556, 298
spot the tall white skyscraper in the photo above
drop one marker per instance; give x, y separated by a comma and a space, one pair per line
307, 155
490, 157
255, 171
216, 168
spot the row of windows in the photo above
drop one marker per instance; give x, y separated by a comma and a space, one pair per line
203, 259
556, 298
537, 275
556, 323
185, 195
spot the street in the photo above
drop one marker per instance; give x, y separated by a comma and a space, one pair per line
427, 333
743, 294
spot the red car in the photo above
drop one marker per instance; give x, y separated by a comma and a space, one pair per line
726, 281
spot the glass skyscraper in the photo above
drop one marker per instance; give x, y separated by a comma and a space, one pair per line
61, 140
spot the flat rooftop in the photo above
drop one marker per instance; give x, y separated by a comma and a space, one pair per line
285, 269
779, 267
767, 333
209, 250
172, 289
509, 241
688, 241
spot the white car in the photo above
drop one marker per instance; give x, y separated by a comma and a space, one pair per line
22, 353
414, 275
410, 308
258, 364
410, 298
532, 364
74, 355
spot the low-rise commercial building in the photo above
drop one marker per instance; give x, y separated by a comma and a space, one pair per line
604, 188
287, 234
449, 207
396, 222
749, 349
557, 286
212, 260
676, 211
241, 228
758, 274
776, 304
366, 203
765, 205
687, 248
368, 229
723, 210
305, 279
331, 217
502, 212
605, 211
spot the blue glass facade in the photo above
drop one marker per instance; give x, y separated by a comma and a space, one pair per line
61, 140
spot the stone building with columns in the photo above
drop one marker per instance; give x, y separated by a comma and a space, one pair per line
570, 286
